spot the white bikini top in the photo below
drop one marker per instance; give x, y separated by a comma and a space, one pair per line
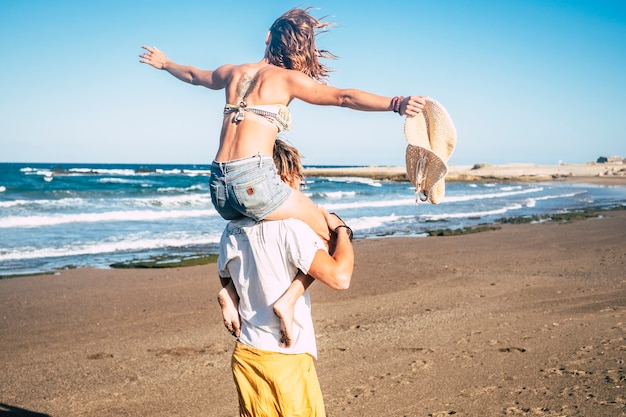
278, 114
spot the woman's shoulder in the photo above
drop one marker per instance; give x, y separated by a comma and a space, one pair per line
239, 68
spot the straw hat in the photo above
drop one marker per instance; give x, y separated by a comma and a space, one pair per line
432, 137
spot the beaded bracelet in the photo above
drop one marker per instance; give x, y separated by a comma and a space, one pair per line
396, 102
348, 228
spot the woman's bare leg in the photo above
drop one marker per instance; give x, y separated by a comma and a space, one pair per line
299, 206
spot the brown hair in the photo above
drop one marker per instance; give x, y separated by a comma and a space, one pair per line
288, 161
292, 43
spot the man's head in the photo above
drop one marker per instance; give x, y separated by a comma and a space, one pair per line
288, 164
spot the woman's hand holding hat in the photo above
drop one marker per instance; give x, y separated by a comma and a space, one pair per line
412, 105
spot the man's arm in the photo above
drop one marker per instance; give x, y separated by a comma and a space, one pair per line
335, 270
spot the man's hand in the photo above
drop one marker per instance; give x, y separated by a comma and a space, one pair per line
332, 220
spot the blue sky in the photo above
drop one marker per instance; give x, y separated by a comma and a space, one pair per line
524, 81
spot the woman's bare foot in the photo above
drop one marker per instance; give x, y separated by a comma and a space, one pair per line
284, 311
229, 301
285, 306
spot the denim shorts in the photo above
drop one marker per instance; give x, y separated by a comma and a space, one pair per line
248, 187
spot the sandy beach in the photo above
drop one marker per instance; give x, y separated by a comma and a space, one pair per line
526, 320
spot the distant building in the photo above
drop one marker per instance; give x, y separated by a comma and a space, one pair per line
611, 160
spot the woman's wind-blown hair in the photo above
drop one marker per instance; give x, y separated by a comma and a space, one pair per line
291, 43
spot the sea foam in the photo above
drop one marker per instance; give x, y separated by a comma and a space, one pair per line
126, 245
111, 216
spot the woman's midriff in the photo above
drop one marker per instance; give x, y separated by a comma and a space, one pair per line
247, 138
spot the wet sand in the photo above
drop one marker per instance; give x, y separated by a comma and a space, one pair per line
527, 320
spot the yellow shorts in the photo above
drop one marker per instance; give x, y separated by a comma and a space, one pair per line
273, 384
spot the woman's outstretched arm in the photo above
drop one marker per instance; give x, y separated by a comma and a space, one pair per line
213, 79
308, 90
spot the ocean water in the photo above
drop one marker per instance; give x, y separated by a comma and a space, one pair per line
60, 215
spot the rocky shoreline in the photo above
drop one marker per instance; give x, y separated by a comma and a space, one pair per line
592, 171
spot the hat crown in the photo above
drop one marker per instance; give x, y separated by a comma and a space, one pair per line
432, 129
432, 138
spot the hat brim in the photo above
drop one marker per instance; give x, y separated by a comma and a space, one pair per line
427, 172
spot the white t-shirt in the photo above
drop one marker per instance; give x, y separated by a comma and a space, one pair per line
262, 258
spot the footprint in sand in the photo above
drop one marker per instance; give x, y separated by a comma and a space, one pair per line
214, 349
512, 349
419, 365
100, 355
533, 411
360, 392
